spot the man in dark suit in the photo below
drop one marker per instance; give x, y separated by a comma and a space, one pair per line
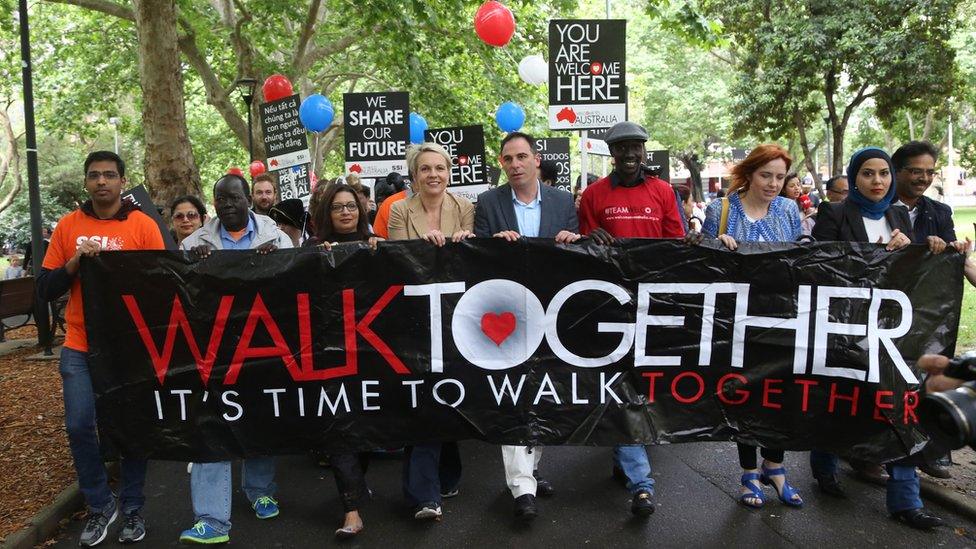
914, 171
524, 207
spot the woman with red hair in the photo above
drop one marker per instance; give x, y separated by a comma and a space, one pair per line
754, 211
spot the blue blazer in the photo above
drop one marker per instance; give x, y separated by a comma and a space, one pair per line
494, 212
934, 219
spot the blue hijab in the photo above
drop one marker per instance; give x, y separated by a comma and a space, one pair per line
869, 208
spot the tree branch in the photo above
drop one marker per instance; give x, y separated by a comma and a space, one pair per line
103, 6
338, 46
308, 29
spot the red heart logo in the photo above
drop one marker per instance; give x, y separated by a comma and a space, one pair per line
596, 67
498, 327
463, 160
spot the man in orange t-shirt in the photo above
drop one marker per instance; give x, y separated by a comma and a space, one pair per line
382, 220
102, 223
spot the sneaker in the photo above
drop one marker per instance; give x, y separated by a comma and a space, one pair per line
133, 528
203, 533
428, 511
265, 507
451, 493
97, 528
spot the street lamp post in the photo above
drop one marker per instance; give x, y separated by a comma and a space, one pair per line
246, 87
115, 124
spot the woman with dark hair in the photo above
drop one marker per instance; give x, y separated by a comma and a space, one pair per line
868, 215
187, 214
793, 189
756, 211
339, 217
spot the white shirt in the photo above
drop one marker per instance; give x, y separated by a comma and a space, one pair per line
877, 229
912, 212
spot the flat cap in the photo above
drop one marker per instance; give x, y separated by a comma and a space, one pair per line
625, 131
289, 212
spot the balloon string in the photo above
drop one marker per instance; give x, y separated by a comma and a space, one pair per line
315, 151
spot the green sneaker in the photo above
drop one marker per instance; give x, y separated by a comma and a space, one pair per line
265, 507
204, 534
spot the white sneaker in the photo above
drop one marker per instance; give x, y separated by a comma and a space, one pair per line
428, 511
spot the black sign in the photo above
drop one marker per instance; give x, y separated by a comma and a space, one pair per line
466, 145
139, 197
587, 73
788, 346
284, 136
660, 162
494, 175
556, 150
295, 182
376, 127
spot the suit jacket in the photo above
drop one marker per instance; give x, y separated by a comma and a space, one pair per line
495, 212
843, 222
934, 219
408, 220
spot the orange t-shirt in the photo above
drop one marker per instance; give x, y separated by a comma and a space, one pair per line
382, 221
137, 232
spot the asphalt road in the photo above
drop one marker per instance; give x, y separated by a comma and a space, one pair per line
697, 486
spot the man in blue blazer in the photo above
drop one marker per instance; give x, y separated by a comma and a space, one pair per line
524, 207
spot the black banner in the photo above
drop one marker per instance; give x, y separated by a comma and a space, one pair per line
587, 67
785, 345
138, 196
376, 128
660, 162
466, 145
556, 150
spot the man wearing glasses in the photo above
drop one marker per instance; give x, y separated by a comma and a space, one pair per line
914, 164
837, 189
103, 222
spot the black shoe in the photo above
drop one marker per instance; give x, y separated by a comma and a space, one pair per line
920, 519
525, 509
831, 486
543, 487
642, 505
935, 469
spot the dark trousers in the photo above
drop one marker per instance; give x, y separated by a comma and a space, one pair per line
430, 469
747, 455
349, 471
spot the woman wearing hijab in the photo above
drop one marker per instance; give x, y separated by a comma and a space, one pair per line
868, 215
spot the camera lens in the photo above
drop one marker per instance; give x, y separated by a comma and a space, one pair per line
949, 417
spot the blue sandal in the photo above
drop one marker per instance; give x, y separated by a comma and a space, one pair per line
789, 493
755, 491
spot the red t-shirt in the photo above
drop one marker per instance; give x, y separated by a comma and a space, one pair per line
648, 210
137, 232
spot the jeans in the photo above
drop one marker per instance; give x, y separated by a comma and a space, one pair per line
349, 470
429, 469
633, 460
901, 490
520, 466
210, 488
79, 419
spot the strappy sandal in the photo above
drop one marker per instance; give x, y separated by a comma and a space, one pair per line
788, 494
755, 491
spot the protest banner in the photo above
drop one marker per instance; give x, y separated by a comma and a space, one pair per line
466, 145
587, 69
139, 197
659, 162
782, 345
376, 128
556, 150
287, 147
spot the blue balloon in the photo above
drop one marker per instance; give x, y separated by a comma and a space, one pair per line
417, 127
316, 112
509, 117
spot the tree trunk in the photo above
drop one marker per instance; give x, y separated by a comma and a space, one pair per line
9, 162
170, 169
837, 134
694, 166
808, 156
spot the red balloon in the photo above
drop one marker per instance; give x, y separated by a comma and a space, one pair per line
494, 23
257, 168
276, 87
234, 170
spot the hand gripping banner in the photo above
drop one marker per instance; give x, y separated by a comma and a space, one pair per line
787, 346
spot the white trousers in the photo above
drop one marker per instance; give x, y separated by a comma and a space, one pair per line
519, 465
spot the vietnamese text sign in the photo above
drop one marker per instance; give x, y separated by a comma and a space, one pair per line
587, 86
377, 131
788, 346
284, 136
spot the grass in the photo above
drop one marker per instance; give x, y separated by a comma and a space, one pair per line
963, 218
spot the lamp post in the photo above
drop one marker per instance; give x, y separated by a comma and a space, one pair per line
114, 121
246, 87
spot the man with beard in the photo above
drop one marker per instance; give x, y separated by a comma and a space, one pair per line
234, 228
263, 193
630, 203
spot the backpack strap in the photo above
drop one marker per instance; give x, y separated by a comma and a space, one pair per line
723, 222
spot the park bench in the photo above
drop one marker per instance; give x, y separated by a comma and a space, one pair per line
16, 303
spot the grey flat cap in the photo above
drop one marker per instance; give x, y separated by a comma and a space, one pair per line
625, 131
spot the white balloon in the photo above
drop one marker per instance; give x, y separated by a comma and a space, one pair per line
533, 69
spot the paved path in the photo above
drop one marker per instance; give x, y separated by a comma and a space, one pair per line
696, 487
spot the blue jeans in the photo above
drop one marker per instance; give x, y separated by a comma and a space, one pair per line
901, 490
429, 469
633, 460
79, 419
210, 488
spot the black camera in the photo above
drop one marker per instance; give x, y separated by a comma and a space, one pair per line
949, 417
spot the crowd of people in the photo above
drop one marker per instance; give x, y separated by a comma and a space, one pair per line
881, 200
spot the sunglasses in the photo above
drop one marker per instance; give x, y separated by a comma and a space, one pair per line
190, 216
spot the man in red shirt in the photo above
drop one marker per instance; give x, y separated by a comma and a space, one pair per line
103, 223
629, 203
